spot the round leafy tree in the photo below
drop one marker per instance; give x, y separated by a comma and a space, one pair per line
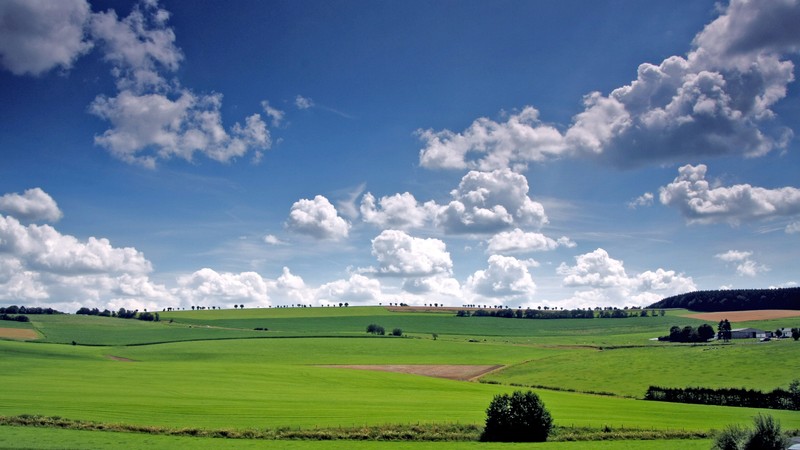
519, 417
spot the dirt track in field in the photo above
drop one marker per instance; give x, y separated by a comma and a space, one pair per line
18, 333
449, 371
120, 358
743, 316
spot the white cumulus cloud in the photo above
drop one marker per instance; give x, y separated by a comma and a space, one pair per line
746, 266
32, 205
645, 199
716, 100
694, 197
506, 278
604, 281
317, 218
400, 254
399, 211
488, 202
357, 288
37, 36
39, 264
152, 116
519, 241
207, 287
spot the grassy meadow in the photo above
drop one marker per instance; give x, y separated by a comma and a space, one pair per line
210, 370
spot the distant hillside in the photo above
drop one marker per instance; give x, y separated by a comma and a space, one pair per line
734, 300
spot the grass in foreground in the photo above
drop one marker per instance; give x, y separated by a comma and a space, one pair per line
16, 437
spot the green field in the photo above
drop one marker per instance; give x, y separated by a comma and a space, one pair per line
210, 370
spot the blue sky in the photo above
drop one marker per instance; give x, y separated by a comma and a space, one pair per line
562, 154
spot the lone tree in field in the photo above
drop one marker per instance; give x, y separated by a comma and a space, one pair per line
519, 417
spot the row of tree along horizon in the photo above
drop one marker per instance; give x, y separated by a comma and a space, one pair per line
588, 313
703, 301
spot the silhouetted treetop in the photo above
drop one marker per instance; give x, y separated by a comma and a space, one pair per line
733, 300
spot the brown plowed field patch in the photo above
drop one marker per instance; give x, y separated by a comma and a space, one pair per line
449, 371
18, 333
743, 316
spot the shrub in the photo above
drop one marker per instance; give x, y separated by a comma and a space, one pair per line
767, 435
731, 438
397, 332
519, 417
375, 329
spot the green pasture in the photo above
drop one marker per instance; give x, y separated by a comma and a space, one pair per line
15, 324
206, 370
279, 383
629, 371
95, 330
337, 321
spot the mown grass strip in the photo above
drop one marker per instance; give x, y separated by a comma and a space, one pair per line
388, 432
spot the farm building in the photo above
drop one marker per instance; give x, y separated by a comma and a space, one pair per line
748, 333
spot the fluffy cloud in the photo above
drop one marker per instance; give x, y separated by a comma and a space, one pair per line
271, 239
39, 264
303, 102
645, 199
399, 254
207, 287
746, 266
715, 101
518, 241
317, 218
595, 269
273, 113
39, 35
358, 288
18, 282
607, 282
793, 227
139, 46
487, 202
506, 278
290, 288
692, 194
484, 202
32, 205
441, 286
174, 127
399, 211
43, 248
151, 117
488, 145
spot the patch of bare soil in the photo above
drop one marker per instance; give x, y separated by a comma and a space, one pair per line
120, 358
449, 371
18, 333
743, 316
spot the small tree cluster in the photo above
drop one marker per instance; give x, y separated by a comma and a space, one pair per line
766, 435
14, 309
519, 417
689, 334
17, 318
375, 329
397, 332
